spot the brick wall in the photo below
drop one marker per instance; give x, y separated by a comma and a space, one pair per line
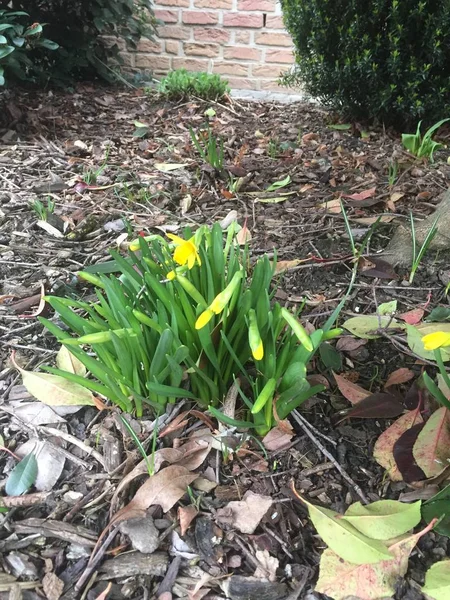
243, 40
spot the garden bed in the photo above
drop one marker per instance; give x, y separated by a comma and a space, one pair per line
77, 152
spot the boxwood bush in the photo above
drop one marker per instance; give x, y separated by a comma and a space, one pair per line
388, 59
89, 34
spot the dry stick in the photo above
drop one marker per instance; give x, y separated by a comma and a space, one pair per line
75, 441
97, 558
306, 428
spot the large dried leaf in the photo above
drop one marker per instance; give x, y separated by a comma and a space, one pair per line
383, 451
163, 489
278, 437
437, 581
399, 376
432, 447
377, 406
344, 539
404, 457
384, 519
246, 514
351, 391
341, 579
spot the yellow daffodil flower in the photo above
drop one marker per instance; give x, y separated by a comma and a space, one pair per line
185, 251
219, 302
436, 340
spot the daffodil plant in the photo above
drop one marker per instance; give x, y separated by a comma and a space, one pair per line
433, 342
189, 317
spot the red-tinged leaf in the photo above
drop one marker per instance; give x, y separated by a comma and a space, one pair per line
412, 317
403, 454
383, 451
361, 195
349, 344
227, 194
373, 266
415, 396
432, 447
399, 376
351, 391
279, 437
377, 406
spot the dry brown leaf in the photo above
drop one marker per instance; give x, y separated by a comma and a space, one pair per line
278, 437
284, 265
399, 376
349, 344
186, 514
267, 567
52, 586
351, 391
163, 489
246, 514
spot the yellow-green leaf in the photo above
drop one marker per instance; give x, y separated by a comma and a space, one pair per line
437, 581
366, 326
344, 539
66, 361
385, 519
55, 390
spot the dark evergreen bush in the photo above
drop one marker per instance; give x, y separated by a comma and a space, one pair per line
82, 28
388, 59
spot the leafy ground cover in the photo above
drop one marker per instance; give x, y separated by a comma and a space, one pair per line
87, 172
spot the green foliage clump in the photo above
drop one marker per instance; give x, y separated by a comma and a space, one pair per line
18, 37
88, 32
385, 59
190, 319
181, 84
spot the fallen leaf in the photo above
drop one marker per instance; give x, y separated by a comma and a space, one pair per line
361, 195
186, 514
284, 265
372, 220
387, 308
243, 236
279, 437
167, 167
399, 376
340, 579
366, 326
246, 514
350, 544
66, 361
432, 448
437, 581
267, 565
438, 506
22, 477
349, 344
412, 317
35, 413
351, 391
53, 586
163, 489
383, 519
403, 454
377, 406
50, 462
383, 451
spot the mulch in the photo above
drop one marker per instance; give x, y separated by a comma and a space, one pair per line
77, 151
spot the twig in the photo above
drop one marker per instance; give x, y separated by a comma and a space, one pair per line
307, 429
76, 442
92, 564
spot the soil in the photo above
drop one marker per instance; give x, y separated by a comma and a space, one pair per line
78, 152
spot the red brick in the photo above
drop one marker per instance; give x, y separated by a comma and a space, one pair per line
174, 31
279, 56
240, 83
257, 5
211, 34
167, 16
155, 63
242, 53
273, 39
231, 68
172, 47
192, 17
237, 19
182, 3
274, 22
190, 64
194, 49
225, 4
149, 46
273, 71
242, 37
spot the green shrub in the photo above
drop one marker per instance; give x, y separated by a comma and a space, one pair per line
181, 84
186, 320
82, 28
17, 39
388, 59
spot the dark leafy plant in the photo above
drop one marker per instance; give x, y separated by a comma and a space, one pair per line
181, 84
18, 37
388, 59
89, 34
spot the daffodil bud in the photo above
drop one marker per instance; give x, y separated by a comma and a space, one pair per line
91, 279
266, 394
298, 329
222, 299
254, 338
